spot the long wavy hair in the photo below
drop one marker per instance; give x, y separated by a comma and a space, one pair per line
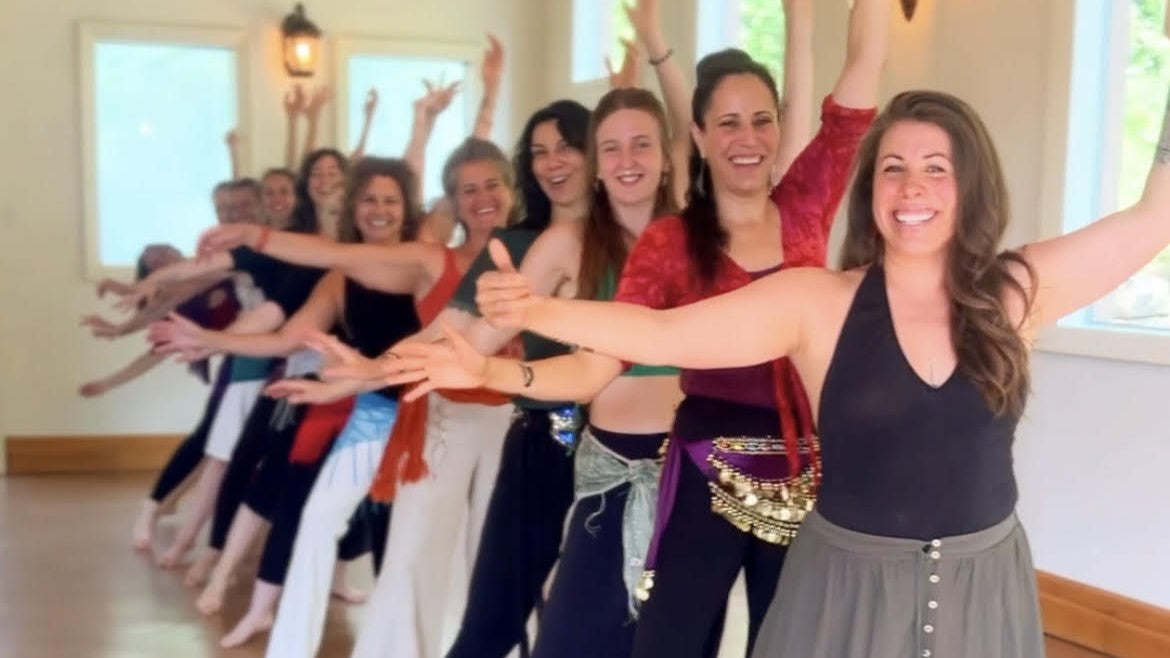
572, 120
990, 349
706, 237
605, 243
356, 181
304, 217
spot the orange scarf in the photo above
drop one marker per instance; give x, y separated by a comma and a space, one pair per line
403, 460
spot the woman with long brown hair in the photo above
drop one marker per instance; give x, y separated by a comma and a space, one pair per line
916, 360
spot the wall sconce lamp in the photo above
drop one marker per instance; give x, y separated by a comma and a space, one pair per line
302, 43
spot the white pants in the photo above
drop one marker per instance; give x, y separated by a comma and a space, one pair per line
425, 575
344, 481
234, 408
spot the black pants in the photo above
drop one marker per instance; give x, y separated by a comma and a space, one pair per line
587, 614
189, 454
521, 539
699, 558
255, 438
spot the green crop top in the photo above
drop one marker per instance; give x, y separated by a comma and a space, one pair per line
604, 294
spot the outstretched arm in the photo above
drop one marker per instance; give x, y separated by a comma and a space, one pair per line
797, 100
456, 364
136, 368
764, 318
865, 54
184, 270
1074, 270
403, 268
156, 308
491, 72
318, 313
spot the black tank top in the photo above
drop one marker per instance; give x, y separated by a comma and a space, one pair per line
902, 458
375, 320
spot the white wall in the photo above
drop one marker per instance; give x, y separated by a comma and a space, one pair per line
44, 355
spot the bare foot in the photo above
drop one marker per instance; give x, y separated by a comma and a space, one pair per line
348, 594
200, 568
172, 557
142, 536
250, 625
210, 601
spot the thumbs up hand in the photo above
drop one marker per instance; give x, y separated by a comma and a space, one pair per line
504, 296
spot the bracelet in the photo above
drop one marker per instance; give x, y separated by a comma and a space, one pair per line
655, 61
526, 371
264, 233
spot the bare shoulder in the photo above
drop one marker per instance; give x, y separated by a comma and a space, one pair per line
816, 283
557, 246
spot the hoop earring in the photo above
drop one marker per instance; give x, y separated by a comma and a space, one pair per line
699, 185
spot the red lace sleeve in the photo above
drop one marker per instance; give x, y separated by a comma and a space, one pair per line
811, 190
656, 265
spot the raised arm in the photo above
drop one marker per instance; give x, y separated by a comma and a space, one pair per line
865, 54
232, 139
312, 111
367, 118
676, 92
491, 71
756, 323
797, 100
294, 100
1074, 270
179, 335
403, 268
426, 110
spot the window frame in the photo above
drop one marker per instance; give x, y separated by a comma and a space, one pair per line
92, 33
1064, 173
345, 47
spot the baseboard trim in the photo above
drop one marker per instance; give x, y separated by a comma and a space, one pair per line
1101, 620
32, 455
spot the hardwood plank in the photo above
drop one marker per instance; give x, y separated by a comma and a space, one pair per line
28, 455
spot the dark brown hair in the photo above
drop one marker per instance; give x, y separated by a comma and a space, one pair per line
706, 237
989, 347
605, 243
356, 181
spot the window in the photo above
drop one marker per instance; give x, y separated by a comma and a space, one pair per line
157, 103
756, 26
1120, 77
598, 28
397, 70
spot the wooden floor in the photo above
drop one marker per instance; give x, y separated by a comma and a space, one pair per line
70, 587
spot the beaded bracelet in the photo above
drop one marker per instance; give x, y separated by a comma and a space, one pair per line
656, 61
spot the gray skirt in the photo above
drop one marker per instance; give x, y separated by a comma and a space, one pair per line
845, 594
